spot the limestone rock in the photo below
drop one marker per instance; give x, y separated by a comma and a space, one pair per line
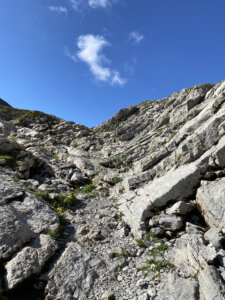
6, 129
108, 296
7, 146
215, 237
78, 178
9, 190
190, 254
175, 185
147, 163
210, 199
67, 278
174, 287
29, 260
180, 208
167, 222
14, 231
4, 103
211, 285
36, 213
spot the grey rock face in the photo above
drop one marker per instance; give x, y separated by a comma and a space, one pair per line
29, 260
66, 280
6, 146
4, 103
124, 201
9, 190
210, 199
6, 129
14, 231
175, 185
167, 222
211, 285
37, 214
215, 237
180, 208
174, 287
190, 254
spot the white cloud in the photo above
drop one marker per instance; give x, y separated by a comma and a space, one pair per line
79, 4
98, 3
116, 79
70, 55
90, 48
136, 37
76, 4
58, 9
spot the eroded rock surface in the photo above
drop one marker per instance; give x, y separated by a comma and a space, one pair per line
132, 209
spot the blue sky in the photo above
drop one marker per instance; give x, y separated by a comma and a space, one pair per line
83, 60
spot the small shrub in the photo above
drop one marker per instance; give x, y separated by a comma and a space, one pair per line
162, 247
10, 160
157, 264
107, 164
125, 254
116, 180
62, 219
41, 194
31, 189
159, 129
119, 215
67, 200
159, 249
15, 180
52, 234
151, 236
55, 156
111, 164
141, 243
89, 188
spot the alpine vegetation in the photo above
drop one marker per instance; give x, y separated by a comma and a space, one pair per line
132, 209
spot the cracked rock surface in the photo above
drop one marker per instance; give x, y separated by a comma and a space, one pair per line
132, 209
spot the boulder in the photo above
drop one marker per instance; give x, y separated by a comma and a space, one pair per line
7, 145
210, 200
14, 231
167, 222
67, 280
36, 213
9, 189
176, 185
211, 284
30, 260
190, 254
215, 237
173, 287
181, 208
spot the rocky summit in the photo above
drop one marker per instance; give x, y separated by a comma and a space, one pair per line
133, 209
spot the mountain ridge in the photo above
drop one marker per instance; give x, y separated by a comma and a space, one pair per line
129, 209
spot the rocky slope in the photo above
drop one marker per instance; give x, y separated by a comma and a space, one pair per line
132, 209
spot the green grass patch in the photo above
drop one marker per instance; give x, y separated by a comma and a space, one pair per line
62, 219
116, 180
111, 164
41, 194
89, 188
55, 156
141, 243
150, 236
53, 234
119, 215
